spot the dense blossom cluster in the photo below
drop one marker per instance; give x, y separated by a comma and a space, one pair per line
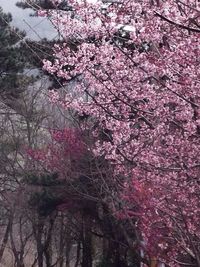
143, 87
61, 153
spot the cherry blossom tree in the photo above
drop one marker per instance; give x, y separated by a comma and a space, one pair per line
137, 63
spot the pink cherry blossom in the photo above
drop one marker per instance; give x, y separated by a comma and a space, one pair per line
143, 87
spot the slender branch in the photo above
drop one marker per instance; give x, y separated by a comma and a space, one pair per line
177, 24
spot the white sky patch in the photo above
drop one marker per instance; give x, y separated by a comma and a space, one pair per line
128, 28
92, 1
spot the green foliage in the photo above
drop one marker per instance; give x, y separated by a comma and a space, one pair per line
35, 51
104, 263
43, 179
35, 4
12, 61
46, 4
44, 199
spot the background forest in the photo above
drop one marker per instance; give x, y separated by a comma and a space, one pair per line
45, 221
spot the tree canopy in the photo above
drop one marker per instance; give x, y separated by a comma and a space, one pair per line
11, 56
145, 97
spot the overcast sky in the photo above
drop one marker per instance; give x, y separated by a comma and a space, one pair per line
21, 19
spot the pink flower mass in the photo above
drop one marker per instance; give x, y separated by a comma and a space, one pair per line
66, 146
143, 86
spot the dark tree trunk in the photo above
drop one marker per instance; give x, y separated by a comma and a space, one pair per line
86, 243
38, 230
5, 238
78, 254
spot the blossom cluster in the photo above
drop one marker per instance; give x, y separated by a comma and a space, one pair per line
62, 154
143, 87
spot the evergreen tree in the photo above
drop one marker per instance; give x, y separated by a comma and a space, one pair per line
11, 56
46, 4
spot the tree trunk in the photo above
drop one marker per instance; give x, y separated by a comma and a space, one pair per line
38, 230
87, 244
5, 238
78, 254
18, 262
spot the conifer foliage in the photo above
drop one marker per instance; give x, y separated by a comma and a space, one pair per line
11, 56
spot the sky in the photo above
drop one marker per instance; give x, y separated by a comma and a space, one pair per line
23, 20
